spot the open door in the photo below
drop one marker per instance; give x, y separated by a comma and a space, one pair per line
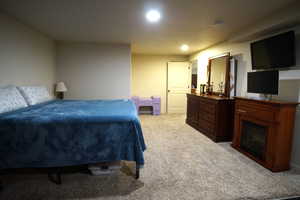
179, 83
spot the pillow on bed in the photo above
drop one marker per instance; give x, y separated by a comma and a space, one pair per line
35, 94
11, 99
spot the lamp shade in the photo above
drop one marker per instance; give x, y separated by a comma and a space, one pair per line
61, 87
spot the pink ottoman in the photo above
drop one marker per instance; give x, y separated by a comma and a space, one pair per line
153, 102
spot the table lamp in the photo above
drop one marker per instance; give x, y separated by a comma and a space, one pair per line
60, 89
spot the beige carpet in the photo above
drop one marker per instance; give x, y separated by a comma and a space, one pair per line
180, 164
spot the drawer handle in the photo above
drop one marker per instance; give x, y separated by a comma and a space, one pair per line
241, 111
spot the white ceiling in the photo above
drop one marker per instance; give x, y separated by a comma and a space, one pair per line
123, 21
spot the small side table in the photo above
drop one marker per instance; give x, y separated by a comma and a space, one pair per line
153, 101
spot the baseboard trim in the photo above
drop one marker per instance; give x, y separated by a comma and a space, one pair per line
289, 198
295, 166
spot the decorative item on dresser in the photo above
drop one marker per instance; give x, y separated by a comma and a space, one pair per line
263, 131
211, 115
60, 89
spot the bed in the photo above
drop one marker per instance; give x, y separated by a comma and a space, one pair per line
62, 133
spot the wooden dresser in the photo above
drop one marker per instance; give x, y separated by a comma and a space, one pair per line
263, 131
211, 115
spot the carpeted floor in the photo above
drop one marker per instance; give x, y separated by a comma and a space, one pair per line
180, 164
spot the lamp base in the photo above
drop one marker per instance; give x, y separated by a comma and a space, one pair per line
60, 95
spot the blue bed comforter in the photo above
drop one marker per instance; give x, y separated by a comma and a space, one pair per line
70, 132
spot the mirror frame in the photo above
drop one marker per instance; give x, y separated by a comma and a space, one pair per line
227, 74
197, 87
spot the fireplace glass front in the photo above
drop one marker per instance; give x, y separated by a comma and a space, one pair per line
253, 139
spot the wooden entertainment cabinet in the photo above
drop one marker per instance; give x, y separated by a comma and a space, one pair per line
211, 115
263, 131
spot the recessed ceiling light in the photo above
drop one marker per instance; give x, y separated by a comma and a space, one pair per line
218, 22
153, 16
184, 47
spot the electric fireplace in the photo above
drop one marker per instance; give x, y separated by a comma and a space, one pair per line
263, 131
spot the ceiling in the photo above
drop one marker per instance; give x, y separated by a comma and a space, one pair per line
123, 21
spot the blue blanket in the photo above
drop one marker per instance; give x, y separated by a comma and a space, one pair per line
69, 132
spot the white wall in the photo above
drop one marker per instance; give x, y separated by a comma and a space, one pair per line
149, 76
289, 86
94, 71
27, 57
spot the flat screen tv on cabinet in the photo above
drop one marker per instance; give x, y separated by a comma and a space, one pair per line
263, 82
274, 52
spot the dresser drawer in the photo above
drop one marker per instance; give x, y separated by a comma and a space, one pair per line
208, 116
206, 107
258, 113
206, 125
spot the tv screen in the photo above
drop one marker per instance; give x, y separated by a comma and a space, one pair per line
274, 52
265, 82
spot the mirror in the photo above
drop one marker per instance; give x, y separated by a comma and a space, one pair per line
194, 76
219, 74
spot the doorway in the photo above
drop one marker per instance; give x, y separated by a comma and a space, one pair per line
178, 84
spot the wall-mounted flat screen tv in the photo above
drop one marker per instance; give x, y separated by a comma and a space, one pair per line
274, 52
263, 82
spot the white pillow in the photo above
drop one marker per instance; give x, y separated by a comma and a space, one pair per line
35, 94
11, 99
